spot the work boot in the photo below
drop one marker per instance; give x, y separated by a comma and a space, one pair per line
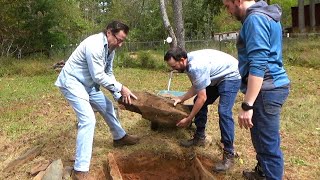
226, 163
127, 140
195, 141
255, 174
78, 175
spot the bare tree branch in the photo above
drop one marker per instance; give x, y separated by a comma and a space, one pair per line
178, 21
9, 47
166, 23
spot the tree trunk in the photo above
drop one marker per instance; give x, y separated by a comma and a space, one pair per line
166, 24
178, 21
302, 28
312, 15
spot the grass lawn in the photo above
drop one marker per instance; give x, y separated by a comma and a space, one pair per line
33, 112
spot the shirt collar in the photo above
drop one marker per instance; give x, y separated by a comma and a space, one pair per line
105, 40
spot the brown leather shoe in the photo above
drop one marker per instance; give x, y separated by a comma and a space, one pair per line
78, 175
127, 140
226, 163
195, 141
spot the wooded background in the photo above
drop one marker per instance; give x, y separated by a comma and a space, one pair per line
32, 26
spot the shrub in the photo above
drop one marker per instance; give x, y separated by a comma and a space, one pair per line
141, 59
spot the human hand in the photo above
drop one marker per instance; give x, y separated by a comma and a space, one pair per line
126, 95
176, 100
184, 122
245, 118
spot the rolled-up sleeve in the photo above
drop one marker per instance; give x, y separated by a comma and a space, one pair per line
258, 45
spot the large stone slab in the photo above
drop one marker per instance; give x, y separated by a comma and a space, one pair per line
157, 109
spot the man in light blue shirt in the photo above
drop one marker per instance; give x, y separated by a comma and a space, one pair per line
213, 74
88, 68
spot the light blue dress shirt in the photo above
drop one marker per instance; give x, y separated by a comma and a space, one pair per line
209, 67
90, 65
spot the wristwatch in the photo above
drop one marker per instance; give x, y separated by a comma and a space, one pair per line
245, 106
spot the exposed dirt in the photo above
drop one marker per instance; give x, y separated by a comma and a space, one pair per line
150, 166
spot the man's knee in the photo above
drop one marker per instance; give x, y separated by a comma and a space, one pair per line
86, 121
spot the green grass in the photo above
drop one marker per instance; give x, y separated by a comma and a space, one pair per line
25, 67
23, 88
301, 51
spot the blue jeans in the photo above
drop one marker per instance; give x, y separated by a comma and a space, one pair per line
265, 131
86, 123
227, 91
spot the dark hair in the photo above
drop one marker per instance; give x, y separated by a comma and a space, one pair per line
176, 53
116, 26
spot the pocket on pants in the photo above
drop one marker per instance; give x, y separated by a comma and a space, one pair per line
274, 99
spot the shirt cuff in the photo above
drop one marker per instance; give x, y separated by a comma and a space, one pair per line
118, 86
116, 96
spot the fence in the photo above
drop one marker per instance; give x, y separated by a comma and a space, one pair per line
225, 45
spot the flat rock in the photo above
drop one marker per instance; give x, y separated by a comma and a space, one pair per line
41, 166
54, 171
157, 109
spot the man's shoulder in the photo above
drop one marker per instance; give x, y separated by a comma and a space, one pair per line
202, 54
206, 56
95, 40
98, 36
257, 17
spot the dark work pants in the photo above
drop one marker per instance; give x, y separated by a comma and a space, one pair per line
227, 91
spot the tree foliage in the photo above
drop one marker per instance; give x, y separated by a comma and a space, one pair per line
38, 24
142, 16
29, 26
286, 10
199, 16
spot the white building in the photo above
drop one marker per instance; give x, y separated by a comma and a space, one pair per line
226, 36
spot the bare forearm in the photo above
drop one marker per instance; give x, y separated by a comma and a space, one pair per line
197, 106
253, 89
191, 92
201, 99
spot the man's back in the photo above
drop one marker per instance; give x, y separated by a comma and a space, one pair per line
209, 67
